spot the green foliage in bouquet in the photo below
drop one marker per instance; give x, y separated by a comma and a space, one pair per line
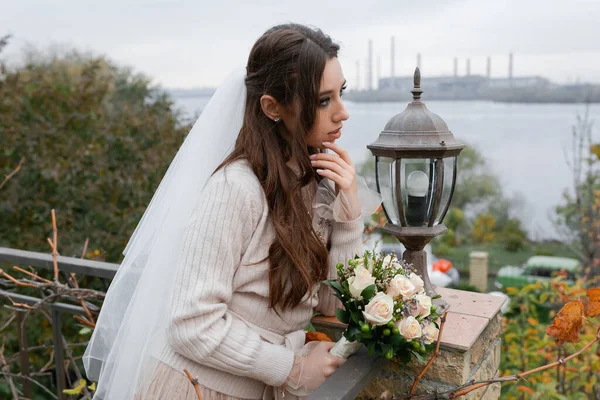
385, 307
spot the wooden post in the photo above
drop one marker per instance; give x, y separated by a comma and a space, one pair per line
478, 270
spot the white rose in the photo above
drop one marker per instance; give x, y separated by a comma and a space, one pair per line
409, 328
416, 281
380, 309
370, 264
389, 260
430, 333
400, 285
361, 279
423, 305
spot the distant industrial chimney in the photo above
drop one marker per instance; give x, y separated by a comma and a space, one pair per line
489, 67
468, 67
419, 60
378, 71
370, 66
367, 78
510, 66
455, 67
357, 75
393, 58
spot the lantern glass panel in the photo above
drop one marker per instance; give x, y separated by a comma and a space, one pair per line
417, 183
386, 173
447, 188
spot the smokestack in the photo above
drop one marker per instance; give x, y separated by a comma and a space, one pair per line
370, 66
357, 75
510, 66
468, 67
419, 60
378, 72
393, 57
367, 76
489, 67
455, 67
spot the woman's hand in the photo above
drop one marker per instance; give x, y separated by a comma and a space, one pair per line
312, 365
338, 167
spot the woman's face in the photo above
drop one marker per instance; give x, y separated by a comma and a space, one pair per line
331, 112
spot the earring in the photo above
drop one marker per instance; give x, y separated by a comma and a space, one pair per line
276, 120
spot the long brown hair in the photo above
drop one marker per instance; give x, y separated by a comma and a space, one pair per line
286, 62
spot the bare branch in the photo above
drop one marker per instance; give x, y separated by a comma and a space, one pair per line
30, 379
470, 386
435, 354
6, 372
194, 382
17, 169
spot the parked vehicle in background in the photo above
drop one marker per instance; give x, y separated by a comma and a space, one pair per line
535, 269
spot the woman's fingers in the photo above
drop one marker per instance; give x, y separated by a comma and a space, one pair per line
333, 158
331, 165
342, 182
343, 153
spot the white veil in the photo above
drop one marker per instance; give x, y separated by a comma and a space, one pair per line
132, 323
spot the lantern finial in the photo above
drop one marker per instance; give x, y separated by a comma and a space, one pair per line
417, 89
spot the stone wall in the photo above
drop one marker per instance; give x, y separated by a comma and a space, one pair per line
470, 350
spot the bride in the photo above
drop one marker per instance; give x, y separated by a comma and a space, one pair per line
223, 271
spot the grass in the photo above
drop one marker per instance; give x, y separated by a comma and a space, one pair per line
499, 257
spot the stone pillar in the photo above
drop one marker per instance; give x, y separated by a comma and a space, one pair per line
470, 350
478, 270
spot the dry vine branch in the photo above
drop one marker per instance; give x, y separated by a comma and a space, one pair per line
54, 245
435, 354
194, 382
30, 379
6, 372
35, 276
51, 291
470, 386
9, 176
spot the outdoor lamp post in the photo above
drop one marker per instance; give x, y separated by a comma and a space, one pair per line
416, 157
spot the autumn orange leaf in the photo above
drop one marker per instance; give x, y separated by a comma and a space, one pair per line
593, 307
526, 389
568, 323
316, 336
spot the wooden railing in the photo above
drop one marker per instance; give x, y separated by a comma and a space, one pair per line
346, 383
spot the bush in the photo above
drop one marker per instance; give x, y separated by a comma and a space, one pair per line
513, 236
483, 229
526, 345
96, 140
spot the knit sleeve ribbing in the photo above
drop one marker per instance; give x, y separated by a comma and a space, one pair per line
201, 327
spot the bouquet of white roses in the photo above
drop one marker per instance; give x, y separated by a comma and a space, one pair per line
386, 308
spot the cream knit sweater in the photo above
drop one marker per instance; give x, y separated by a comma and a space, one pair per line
221, 282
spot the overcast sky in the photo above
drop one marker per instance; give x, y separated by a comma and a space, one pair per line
196, 43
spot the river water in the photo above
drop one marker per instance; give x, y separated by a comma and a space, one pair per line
525, 145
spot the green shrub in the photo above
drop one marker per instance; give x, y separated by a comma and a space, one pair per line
96, 140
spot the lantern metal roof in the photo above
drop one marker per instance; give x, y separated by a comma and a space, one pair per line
416, 132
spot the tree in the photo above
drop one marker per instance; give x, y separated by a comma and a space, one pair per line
475, 184
483, 229
578, 218
96, 140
